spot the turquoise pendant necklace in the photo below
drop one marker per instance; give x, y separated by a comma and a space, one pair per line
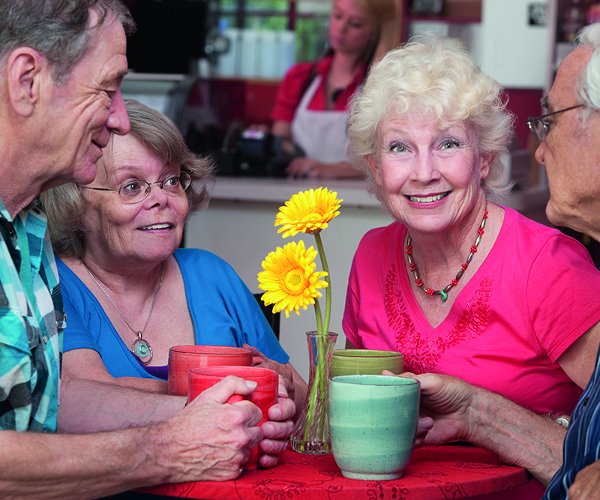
140, 347
443, 293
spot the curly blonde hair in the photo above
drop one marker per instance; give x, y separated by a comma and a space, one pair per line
438, 78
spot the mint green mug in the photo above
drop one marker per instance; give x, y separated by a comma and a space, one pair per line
373, 424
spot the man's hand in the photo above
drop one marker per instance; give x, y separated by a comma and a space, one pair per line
587, 483
454, 410
445, 400
444, 404
210, 440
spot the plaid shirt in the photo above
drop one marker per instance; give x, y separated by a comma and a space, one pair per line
31, 324
582, 442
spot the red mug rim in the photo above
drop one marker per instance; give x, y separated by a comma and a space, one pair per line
220, 371
221, 350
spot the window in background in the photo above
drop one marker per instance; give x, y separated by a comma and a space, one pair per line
307, 19
311, 28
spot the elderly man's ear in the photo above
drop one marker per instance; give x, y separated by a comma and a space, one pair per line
25, 69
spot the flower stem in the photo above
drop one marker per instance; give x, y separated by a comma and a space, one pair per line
319, 316
320, 381
316, 387
325, 266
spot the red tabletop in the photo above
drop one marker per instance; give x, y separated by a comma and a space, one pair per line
451, 471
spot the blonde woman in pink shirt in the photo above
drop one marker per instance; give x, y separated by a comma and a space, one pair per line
460, 284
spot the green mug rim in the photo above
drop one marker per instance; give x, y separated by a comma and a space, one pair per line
365, 353
374, 379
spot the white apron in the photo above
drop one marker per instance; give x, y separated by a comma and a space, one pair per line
321, 134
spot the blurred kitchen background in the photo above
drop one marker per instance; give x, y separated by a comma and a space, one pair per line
214, 66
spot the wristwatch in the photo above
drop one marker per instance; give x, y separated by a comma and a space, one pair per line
562, 420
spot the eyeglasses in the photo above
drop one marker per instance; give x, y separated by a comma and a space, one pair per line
540, 126
137, 190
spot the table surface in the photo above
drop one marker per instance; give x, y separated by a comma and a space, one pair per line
434, 472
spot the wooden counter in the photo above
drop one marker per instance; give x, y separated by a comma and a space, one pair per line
238, 226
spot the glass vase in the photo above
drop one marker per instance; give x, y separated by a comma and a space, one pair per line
311, 432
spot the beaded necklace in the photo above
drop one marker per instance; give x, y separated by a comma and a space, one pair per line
412, 266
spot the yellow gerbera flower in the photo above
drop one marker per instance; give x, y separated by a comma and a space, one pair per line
307, 212
289, 278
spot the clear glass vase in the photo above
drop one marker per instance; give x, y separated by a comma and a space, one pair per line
311, 432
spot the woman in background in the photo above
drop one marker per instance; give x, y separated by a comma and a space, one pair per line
311, 109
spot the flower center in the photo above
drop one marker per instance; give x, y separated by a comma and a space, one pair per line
313, 223
313, 217
294, 281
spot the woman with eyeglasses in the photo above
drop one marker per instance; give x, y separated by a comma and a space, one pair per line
130, 292
460, 284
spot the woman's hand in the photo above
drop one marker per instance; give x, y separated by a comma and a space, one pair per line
301, 168
285, 371
294, 384
277, 430
312, 169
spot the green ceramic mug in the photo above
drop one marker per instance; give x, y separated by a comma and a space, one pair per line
373, 424
365, 362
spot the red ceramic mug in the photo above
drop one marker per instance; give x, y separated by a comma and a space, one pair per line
264, 396
184, 357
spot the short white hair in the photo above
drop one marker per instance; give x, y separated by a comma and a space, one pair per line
588, 85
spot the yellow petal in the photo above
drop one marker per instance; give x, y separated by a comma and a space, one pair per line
289, 278
307, 212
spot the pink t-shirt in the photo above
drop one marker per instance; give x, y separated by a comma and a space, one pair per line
533, 296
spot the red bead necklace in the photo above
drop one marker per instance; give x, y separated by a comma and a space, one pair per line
412, 266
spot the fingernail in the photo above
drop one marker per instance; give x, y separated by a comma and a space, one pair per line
251, 384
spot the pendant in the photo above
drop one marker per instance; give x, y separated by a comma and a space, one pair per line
443, 296
142, 350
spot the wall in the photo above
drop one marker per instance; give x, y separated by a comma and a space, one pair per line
512, 46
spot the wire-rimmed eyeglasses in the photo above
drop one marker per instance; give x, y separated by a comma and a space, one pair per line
540, 126
135, 191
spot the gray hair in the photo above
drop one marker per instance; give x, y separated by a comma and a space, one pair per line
588, 84
437, 77
58, 29
65, 205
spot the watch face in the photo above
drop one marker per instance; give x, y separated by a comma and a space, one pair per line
563, 421
427, 6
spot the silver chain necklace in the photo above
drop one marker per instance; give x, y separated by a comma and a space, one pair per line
140, 348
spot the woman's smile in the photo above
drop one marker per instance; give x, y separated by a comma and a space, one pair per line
428, 198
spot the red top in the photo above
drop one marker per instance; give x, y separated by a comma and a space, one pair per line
295, 81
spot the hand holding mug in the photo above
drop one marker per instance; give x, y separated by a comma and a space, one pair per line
264, 395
